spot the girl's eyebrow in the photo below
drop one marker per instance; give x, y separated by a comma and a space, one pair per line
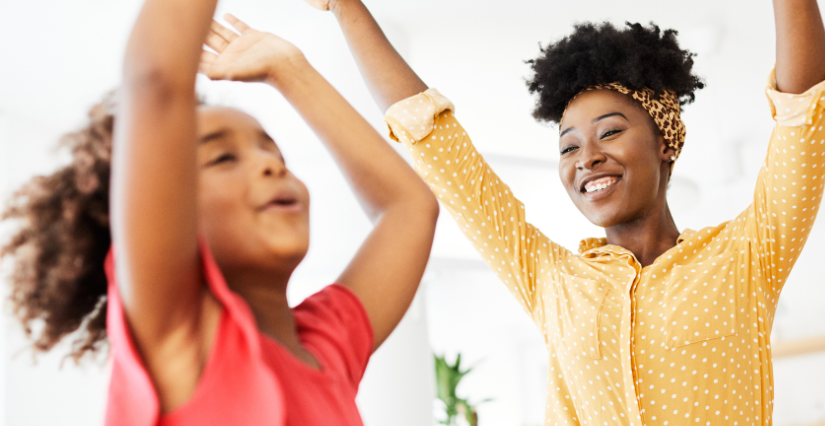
212, 136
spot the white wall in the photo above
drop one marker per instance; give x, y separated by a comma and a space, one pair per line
58, 57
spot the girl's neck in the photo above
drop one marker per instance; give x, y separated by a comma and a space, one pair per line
646, 237
265, 293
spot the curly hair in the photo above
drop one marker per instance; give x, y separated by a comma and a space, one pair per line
636, 57
58, 280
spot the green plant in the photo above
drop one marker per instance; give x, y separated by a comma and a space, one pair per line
447, 377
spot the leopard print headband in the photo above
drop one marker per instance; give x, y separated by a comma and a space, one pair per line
665, 111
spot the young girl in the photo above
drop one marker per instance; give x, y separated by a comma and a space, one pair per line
649, 325
206, 224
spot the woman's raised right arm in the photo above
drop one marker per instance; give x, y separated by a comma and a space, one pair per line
388, 76
484, 207
154, 186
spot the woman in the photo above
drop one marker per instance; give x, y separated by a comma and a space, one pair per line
648, 325
207, 226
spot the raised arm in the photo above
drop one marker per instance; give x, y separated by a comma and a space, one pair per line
800, 45
389, 78
790, 184
153, 198
387, 269
484, 207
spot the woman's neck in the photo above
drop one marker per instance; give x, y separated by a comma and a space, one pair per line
646, 237
265, 293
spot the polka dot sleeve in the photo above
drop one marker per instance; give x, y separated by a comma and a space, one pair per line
790, 183
485, 209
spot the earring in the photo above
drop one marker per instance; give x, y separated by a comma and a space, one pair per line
672, 158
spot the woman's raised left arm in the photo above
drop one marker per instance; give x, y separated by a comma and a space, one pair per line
800, 45
790, 184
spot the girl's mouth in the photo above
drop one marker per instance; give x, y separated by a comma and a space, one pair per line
285, 201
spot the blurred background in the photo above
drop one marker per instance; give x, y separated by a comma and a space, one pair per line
57, 58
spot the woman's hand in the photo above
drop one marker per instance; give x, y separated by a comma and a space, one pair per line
319, 4
251, 55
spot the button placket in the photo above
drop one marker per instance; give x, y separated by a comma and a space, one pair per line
629, 315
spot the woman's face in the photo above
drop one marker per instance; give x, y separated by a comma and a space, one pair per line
253, 212
614, 164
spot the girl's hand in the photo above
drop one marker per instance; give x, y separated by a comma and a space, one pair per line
251, 55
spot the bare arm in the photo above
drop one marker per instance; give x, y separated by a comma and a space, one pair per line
387, 75
483, 206
154, 192
800, 45
387, 269
789, 187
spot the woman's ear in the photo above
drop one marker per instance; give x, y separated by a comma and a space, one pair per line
667, 156
666, 153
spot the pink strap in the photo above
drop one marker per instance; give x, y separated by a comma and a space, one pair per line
235, 387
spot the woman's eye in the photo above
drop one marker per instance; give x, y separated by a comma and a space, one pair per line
610, 133
568, 149
222, 159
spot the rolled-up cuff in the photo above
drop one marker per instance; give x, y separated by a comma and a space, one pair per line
414, 118
792, 110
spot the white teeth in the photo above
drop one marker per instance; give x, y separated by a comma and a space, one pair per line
599, 187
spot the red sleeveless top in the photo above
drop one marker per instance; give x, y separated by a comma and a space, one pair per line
249, 378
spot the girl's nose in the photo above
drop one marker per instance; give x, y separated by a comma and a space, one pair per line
273, 167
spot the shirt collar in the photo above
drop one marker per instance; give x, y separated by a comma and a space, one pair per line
685, 235
588, 244
595, 246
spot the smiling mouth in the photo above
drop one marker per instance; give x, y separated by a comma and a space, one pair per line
283, 203
599, 184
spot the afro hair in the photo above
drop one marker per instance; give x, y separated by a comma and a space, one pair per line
636, 57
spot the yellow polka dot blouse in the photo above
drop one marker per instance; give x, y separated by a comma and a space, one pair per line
684, 341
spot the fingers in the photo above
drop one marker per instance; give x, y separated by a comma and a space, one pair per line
207, 65
216, 42
208, 58
223, 32
219, 37
237, 23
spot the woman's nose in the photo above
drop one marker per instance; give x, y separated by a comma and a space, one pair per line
590, 157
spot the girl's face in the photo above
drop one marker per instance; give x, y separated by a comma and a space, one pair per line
253, 212
614, 163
